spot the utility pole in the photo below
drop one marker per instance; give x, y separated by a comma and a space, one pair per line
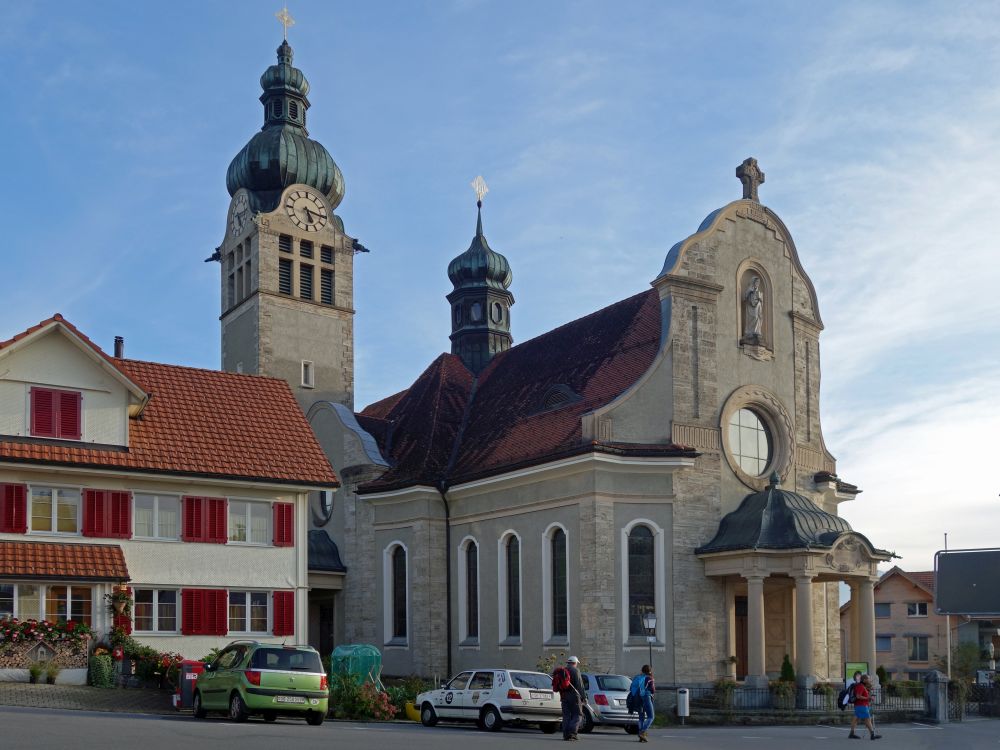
947, 621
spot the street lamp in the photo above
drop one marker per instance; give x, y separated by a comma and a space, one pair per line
649, 623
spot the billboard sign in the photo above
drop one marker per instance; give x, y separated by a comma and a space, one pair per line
967, 582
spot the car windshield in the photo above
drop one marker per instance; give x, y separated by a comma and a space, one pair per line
291, 659
531, 680
613, 682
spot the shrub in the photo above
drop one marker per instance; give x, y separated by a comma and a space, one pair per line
352, 701
787, 670
883, 676
101, 671
406, 690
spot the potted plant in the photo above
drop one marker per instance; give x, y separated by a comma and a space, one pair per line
51, 672
120, 601
35, 670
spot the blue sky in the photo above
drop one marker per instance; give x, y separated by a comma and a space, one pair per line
606, 132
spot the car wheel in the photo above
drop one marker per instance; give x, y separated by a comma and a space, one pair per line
237, 708
315, 718
632, 728
491, 720
427, 716
549, 727
270, 716
587, 725
196, 709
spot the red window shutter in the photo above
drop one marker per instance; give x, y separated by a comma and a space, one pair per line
43, 412
190, 611
284, 525
13, 508
217, 521
284, 613
119, 515
70, 420
220, 611
193, 527
95, 517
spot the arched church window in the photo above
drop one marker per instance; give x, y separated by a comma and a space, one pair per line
559, 587
456, 314
511, 587
750, 441
399, 592
471, 590
293, 110
641, 578
276, 108
476, 312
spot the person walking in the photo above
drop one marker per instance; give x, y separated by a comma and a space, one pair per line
851, 687
572, 698
862, 708
644, 688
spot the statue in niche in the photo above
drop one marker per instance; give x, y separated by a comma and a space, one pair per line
753, 303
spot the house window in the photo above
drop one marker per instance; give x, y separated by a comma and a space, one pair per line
399, 593
918, 647
510, 588
157, 516
284, 276
248, 611
326, 254
555, 591
56, 414
284, 243
883, 643
155, 611
326, 286
307, 374
6, 601
306, 282
916, 609
306, 249
882, 609
68, 603
55, 511
468, 584
641, 578
249, 522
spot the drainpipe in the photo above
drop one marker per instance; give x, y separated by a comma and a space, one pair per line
442, 488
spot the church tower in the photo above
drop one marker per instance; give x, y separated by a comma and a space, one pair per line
287, 266
480, 300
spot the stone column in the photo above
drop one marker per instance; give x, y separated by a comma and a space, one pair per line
852, 654
866, 625
730, 594
756, 672
804, 647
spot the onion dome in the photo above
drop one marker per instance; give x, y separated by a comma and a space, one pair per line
282, 153
480, 265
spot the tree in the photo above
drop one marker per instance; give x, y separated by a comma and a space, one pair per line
787, 670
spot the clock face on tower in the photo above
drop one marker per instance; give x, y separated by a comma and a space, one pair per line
306, 210
239, 213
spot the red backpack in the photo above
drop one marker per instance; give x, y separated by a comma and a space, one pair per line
560, 679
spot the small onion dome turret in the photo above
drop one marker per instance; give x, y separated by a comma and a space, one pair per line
282, 153
480, 265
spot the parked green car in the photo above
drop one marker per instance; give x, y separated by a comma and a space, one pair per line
264, 679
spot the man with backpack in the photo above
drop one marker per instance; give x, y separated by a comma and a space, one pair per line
862, 709
641, 692
567, 682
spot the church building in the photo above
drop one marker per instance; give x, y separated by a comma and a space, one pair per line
652, 473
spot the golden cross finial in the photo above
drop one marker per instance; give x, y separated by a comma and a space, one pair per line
479, 185
285, 19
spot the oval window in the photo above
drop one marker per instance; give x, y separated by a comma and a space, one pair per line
496, 312
750, 442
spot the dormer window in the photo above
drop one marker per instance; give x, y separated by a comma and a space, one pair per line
56, 413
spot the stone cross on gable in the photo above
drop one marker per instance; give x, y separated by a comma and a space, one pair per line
751, 176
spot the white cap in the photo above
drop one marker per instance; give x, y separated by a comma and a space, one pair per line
572, 660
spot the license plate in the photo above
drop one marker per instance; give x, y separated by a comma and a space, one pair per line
619, 702
540, 695
289, 699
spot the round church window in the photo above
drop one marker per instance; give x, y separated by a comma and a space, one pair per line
750, 441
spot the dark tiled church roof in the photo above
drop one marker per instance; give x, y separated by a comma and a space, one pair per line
324, 555
525, 408
776, 519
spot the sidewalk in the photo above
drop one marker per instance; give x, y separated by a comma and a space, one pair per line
82, 698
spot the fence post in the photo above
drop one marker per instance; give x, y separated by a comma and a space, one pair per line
936, 697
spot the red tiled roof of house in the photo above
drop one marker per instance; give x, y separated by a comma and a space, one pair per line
451, 427
78, 562
921, 578
197, 422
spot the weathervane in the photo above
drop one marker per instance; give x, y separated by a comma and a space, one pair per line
285, 19
479, 185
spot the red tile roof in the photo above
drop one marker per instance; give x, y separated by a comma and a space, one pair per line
451, 427
77, 562
198, 422
922, 578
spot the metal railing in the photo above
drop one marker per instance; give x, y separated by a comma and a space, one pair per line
822, 698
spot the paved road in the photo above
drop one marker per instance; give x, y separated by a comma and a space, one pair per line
51, 729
